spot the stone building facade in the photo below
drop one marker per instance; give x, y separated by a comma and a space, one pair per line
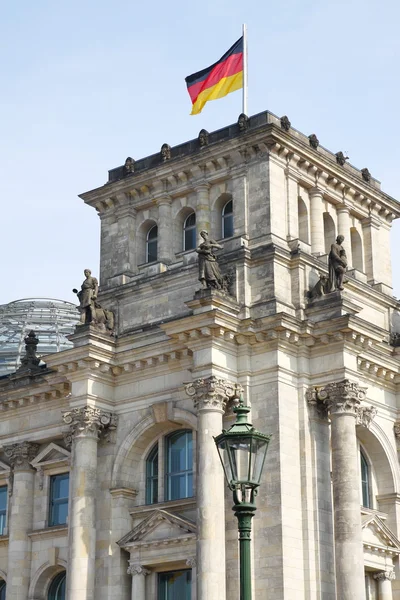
110, 483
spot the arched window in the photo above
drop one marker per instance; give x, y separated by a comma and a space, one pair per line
179, 465
57, 587
227, 220
152, 476
151, 244
3, 590
365, 481
189, 232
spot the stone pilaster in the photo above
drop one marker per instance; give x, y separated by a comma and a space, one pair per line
192, 564
343, 400
165, 235
317, 221
85, 425
21, 519
138, 573
210, 396
384, 579
203, 215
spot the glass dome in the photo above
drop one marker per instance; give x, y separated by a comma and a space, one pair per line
51, 320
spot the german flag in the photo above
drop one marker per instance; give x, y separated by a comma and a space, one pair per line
223, 77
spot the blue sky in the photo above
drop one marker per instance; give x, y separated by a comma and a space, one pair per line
85, 84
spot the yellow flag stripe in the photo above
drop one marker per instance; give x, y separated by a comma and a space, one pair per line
219, 90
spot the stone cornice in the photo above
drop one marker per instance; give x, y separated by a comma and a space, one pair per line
49, 532
265, 135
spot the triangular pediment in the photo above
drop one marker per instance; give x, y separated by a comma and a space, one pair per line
159, 525
50, 455
4, 468
377, 535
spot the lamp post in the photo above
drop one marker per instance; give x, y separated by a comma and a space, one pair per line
242, 450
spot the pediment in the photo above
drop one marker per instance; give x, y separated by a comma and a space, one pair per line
160, 525
4, 469
377, 535
50, 455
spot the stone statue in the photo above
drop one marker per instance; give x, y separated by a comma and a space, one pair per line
30, 361
243, 122
129, 166
209, 273
203, 138
341, 158
337, 265
165, 152
87, 297
314, 141
91, 310
285, 123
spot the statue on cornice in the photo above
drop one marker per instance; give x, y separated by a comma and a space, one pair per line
209, 272
337, 265
92, 313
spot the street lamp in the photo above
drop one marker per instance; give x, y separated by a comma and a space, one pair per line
242, 450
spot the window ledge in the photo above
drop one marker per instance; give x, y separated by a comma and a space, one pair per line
49, 532
144, 509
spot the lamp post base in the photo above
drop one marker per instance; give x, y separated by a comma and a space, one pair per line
244, 512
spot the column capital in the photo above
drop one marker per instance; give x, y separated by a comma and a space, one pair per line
382, 575
20, 455
212, 393
342, 208
137, 569
88, 421
163, 199
202, 186
342, 396
315, 191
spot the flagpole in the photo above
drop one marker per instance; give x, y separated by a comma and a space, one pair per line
244, 104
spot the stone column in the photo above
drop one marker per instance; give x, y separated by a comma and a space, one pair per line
343, 400
385, 579
317, 221
138, 573
21, 519
210, 396
203, 208
85, 423
165, 237
343, 214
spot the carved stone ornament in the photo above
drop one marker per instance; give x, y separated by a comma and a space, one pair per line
341, 158
343, 397
316, 403
314, 141
365, 415
92, 313
30, 361
129, 166
382, 575
212, 392
87, 420
203, 138
366, 175
191, 562
396, 429
21, 455
285, 123
137, 569
243, 122
165, 152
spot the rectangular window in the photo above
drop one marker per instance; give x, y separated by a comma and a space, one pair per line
175, 585
3, 508
59, 491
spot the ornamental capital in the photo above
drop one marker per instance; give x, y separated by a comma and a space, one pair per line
365, 415
137, 569
89, 421
343, 396
382, 575
20, 455
212, 393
